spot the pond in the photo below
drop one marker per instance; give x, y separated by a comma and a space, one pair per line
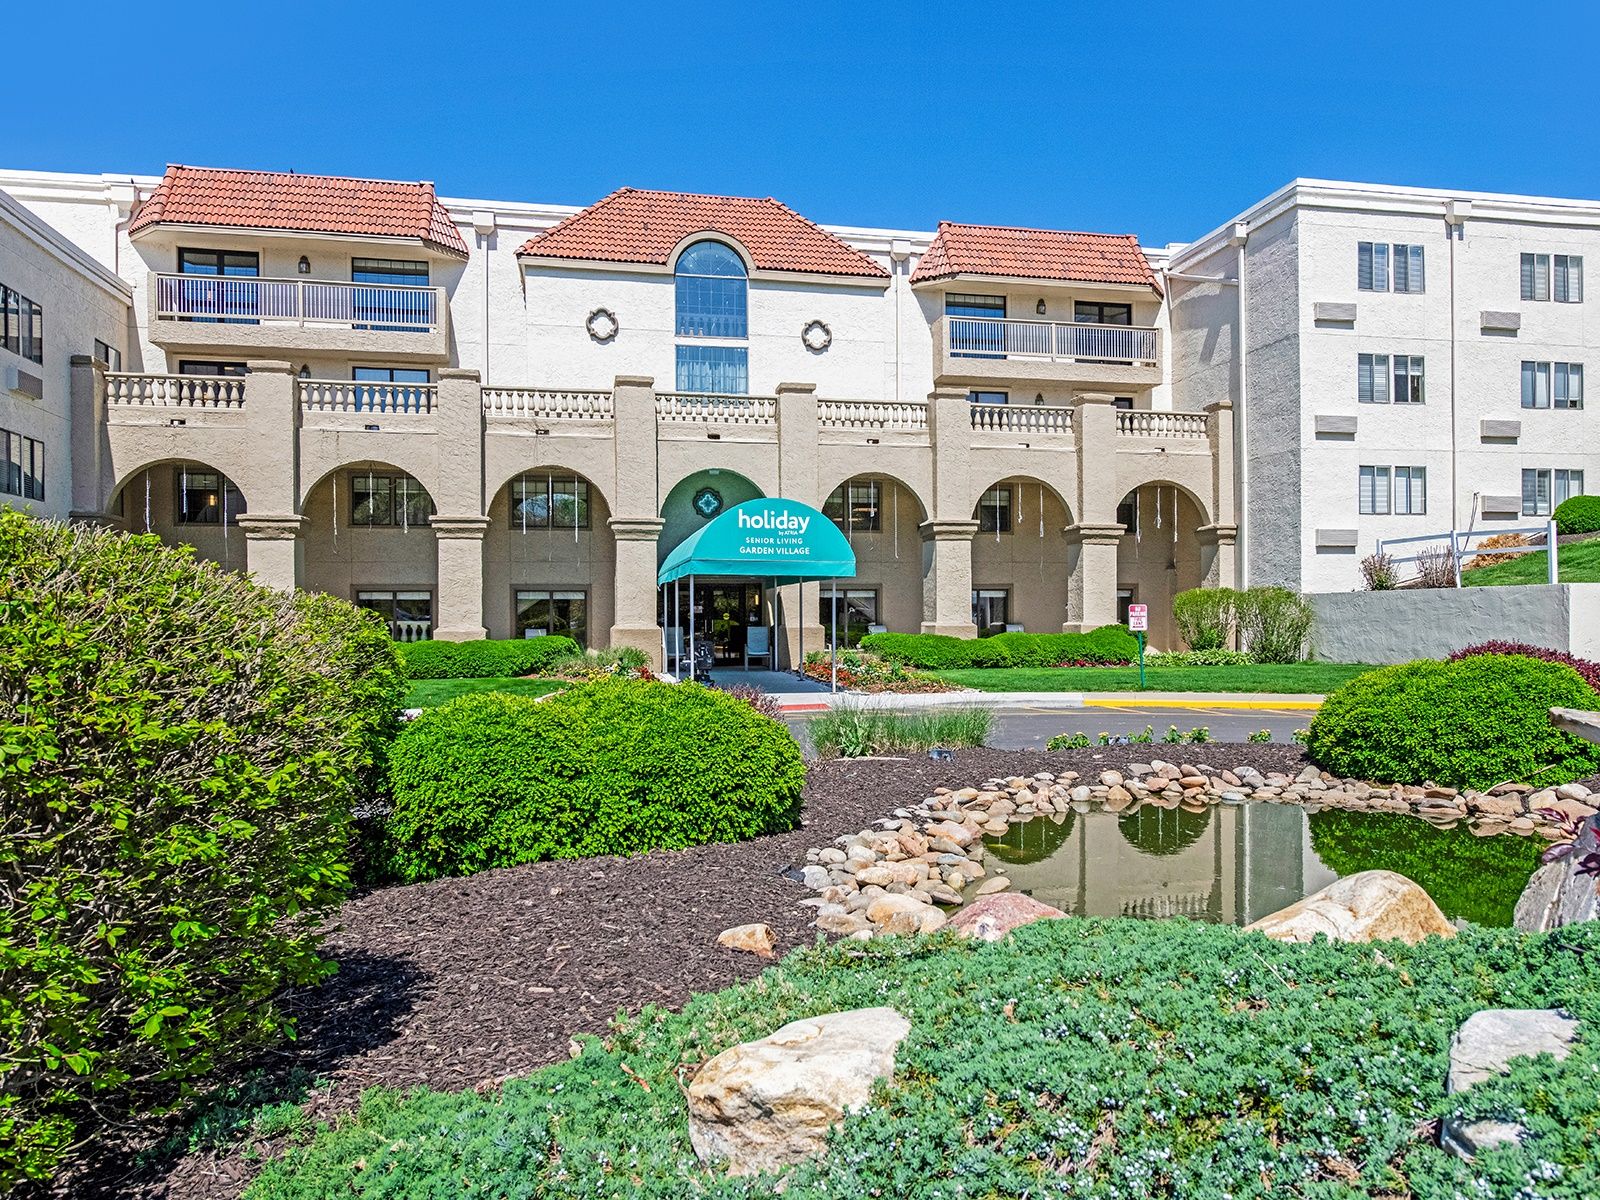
1233, 864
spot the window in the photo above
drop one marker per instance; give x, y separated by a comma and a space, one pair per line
204, 498
388, 500
1536, 277
552, 613
1124, 603
858, 611
229, 370
1545, 489
864, 511
1568, 274
1408, 379
1569, 279
1372, 378
1546, 385
989, 397
396, 397
109, 355
1374, 492
221, 302
1568, 385
383, 303
994, 511
982, 338
991, 608
21, 466
1092, 312
409, 614
1381, 267
716, 369
549, 502
1399, 490
712, 292
1128, 514
21, 325
1124, 403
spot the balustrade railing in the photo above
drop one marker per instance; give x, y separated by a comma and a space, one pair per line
1021, 418
998, 337
1153, 423
877, 415
345, 395
174, 391
715, 409
249, 300
545, 404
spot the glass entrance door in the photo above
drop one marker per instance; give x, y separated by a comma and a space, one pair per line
725, 610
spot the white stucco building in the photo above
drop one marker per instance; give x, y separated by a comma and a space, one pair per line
500, 417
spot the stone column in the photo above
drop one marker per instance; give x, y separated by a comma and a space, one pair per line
798, 458
272, 427
1092, 577
1217, 561
272, 547
637, 617
90, 487
1094, 433
458, 614
1224, 512
947, 578
459, 422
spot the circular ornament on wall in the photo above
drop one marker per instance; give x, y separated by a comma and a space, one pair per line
602, 325
707, 502
816, 336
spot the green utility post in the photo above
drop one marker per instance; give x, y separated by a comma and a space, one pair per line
1138, 622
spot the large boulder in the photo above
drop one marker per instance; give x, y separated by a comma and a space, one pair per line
1557, 894
1370, 906
991, 918
765, 1105
1483, 1047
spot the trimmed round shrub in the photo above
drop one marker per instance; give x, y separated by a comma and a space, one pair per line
1578, 514
1589, 669
180, 751
486, 658
1471, 724
617, 766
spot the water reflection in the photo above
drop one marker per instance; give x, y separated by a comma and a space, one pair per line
1234, 864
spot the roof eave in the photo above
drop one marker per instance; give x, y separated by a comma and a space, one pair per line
425, 243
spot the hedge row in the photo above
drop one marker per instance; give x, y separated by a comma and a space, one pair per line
1587, 668
487, 658
617, 766
180, 751
1109, 645
1578, 514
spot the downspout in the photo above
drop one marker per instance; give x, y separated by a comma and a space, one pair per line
483, 224
1241, 413
899, 253
1456, 213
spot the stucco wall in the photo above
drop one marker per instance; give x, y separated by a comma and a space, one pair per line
1390, 627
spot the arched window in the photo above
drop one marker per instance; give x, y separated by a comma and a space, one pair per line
712, 302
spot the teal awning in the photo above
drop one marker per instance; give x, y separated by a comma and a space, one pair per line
773, 538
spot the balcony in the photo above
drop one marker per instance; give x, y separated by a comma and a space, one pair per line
244, 316
988, 350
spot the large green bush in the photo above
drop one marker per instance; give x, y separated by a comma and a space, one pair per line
179, 754
486, 658
1091, 1059
1274, 624
1578, 514
1107, 646
1205, 617
617, 766
1472, 723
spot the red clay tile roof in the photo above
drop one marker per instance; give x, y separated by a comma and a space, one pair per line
1035, 254
300, 203
637, 226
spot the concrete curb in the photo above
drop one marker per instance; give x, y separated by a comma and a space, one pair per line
804, 702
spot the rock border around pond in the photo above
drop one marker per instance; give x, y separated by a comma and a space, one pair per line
900, 875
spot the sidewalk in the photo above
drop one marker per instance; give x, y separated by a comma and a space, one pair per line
801, 702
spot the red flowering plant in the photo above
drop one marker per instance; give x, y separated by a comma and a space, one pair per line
860, 672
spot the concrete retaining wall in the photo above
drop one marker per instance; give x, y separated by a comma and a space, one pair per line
1391, 627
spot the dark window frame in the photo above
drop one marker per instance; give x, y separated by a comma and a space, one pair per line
551, 593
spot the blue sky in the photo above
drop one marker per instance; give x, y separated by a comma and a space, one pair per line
1152, 118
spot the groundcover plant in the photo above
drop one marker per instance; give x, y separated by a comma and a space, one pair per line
1080, 1058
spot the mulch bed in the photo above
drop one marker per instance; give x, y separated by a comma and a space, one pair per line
463, 982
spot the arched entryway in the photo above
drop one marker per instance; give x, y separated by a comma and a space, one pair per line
742, 618
550, 559
881, 517
1159, 554
1021, 560
185, 502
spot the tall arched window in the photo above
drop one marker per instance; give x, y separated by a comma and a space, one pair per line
712, 304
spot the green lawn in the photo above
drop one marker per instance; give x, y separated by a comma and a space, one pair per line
1577, 562
1312, 677
425, 693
